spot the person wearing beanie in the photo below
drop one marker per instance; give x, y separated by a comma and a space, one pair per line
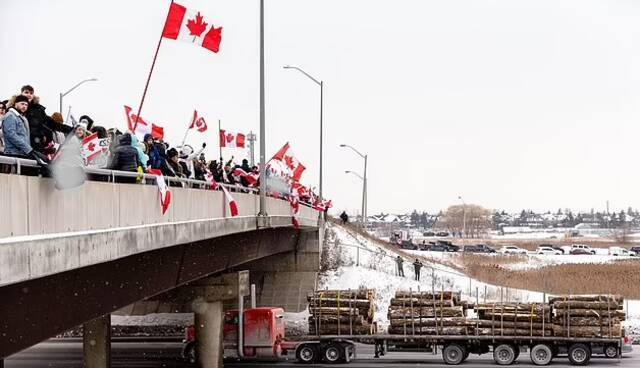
16, 129
41, 125
125, 158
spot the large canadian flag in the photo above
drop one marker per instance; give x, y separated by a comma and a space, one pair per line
91, 147
163, 190
286, 157
190, 26
198, 122
231, 140
232, 205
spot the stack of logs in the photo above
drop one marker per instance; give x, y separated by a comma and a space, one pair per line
588, 316
341, 312
427, 313
513, 319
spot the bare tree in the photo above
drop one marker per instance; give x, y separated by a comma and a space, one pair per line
474, 219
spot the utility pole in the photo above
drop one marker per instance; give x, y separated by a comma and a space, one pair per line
251, 137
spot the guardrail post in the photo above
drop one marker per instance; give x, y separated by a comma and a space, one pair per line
357, 256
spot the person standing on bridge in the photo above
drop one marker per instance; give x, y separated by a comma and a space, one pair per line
15, 127
417, 265
399, 266
125, 158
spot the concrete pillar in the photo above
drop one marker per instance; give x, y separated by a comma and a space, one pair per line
96, 342
209, 318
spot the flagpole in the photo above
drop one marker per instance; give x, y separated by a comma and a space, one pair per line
219, 144
153, 64
188, 129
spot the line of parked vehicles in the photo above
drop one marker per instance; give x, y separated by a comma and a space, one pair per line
403, 240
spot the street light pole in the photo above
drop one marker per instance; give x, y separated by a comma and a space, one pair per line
263, 149
364, 184
74, 87
321, 84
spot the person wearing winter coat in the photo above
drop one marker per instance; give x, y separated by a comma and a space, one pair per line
15, 128
399, 266
3, 111
125, 158
186, 159
41, 125
245, 166
417, 265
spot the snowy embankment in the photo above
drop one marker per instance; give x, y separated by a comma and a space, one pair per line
354, 261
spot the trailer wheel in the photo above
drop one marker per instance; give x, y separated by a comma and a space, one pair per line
306, 353
579, 354
453, 354
541, 354
611, 351
333, 353
504, 354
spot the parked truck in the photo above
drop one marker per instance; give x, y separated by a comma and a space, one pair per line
264, 337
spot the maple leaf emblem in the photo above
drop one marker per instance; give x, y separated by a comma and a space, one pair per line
196, 26
289, 161
91, 146
230, 138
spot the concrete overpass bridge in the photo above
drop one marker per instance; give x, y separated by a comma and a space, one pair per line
72, 257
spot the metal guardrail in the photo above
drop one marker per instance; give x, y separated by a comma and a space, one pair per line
112, 174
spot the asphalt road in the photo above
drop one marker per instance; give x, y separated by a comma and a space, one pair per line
68, 354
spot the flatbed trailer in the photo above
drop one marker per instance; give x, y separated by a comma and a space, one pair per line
455, 348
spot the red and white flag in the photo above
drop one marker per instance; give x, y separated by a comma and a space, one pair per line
198, 122
190, 26
142, 127
322, 206
251, 178
165, 193
294, 201
286, 157
230, 140
232, 206
91, 148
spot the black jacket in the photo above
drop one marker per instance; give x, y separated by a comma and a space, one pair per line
125, 157
42, 126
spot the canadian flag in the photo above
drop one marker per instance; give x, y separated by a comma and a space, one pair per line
190, 26
198, 122
91, 148
294, 166
294, 201
165, 193
232, 206
142, 127
230, 140
251, 178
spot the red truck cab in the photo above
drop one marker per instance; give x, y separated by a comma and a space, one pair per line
263, 334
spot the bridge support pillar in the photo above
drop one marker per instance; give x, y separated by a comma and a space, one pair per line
209, 324
96, 342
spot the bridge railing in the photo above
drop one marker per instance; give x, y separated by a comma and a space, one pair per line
35, 207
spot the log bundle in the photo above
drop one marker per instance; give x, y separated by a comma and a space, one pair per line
513, 319
341, 312
588, 316
426, 313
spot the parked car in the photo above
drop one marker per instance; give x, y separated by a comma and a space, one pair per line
635, 250
587, 248
580, 251
619, 251
478, 248
548, 250
512, 249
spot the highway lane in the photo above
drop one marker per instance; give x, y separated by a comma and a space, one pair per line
68, 354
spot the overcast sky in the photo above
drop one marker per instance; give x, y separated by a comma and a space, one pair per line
510, 104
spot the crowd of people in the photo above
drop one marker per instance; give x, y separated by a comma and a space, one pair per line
27, 131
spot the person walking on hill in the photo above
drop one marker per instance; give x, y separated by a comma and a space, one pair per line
417, 265
344, 217
400, 269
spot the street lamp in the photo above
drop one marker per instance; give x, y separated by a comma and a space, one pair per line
364, 184
362, 213
74, 87
321, 84
464, 218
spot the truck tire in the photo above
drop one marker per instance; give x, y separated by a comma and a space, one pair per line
579, 354
611, 351
333, 353
504, 354
306, 354
453, 354
541, 354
